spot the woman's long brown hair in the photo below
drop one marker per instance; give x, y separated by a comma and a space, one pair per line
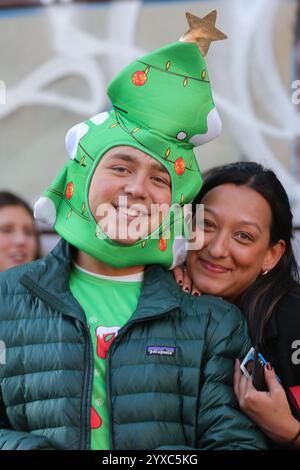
259, 301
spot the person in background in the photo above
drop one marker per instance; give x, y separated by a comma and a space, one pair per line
247, 258
19, 242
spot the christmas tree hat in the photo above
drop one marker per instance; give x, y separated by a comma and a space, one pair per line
162, 105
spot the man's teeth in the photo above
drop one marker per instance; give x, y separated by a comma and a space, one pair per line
130, 212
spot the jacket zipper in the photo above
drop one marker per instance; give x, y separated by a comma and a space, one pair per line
86, 395
110, 351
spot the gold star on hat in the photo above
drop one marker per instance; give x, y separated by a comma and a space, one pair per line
202, 31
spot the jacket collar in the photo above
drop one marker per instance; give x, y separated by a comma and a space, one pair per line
159, 293
49, 281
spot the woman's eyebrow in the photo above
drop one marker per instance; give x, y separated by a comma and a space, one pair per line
248, 222
7, 223
241, 222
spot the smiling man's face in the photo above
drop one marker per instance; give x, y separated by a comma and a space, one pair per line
130, 194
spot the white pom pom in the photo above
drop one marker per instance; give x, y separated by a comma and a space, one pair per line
45, 211
179, 251
99, 118
214, 127
73, 137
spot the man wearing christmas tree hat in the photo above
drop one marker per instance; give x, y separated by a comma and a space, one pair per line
102, 353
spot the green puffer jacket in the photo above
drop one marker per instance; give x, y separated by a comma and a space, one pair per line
179, 400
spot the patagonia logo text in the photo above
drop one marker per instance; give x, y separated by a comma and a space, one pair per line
161, 351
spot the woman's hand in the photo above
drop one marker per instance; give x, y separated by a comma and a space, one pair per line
269, 410
182, 278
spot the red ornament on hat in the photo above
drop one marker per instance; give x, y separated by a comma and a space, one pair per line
69, 190
139, 78
179, 166
162, 244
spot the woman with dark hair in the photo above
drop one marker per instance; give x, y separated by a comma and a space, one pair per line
247, 258
19, 241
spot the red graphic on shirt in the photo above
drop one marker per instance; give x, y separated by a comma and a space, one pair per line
96, 421
105, 336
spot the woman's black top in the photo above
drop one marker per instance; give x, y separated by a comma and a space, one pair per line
282, 341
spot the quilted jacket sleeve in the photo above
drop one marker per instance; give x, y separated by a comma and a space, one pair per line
221, 425
16, 440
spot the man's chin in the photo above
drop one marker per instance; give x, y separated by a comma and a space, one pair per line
126, 235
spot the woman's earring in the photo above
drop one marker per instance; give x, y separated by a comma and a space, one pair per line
264, 273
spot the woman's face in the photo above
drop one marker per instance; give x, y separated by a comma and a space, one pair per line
236, 247
18, 240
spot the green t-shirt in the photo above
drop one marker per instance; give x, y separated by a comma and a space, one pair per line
108, 302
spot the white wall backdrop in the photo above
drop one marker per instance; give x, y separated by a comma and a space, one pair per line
57, 61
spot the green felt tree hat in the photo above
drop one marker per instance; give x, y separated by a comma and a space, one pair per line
162, 104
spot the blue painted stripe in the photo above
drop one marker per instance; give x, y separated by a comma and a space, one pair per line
13, 12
